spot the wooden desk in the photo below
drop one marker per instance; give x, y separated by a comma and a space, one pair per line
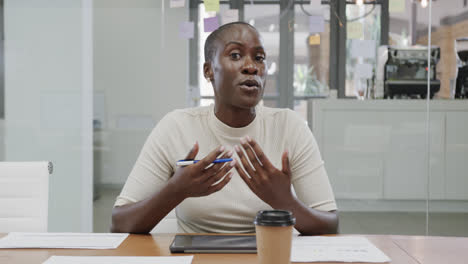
401, 249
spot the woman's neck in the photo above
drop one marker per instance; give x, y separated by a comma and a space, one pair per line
235, 117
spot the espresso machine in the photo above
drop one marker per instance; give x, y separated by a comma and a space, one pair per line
405, 72
461, 86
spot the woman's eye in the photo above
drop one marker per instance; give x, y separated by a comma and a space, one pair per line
260, 58
235, 56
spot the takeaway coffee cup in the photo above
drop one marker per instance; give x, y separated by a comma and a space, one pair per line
274, 236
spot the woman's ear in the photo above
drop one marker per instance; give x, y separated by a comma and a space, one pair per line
207, 72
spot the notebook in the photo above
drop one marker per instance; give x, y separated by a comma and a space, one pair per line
214, 244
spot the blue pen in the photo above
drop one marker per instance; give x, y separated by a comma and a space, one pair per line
190, 162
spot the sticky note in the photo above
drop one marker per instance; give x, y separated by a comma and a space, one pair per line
186, 30
316, 24
363, 48
211, 5
363, 70
229, 16
210, 24
176, 3
354, 30
396, 6
316, 4
314, 40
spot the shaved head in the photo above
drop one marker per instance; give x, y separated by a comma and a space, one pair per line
209, 43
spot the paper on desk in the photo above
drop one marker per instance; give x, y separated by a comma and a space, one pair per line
62, 240
118, 260
335, 249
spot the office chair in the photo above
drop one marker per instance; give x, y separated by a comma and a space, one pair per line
24, 196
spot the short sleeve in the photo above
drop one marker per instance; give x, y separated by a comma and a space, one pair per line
309, 177
152, 168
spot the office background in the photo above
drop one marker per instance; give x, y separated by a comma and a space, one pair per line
84, 82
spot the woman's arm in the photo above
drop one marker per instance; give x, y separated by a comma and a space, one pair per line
143, 216
273, 186
311, 221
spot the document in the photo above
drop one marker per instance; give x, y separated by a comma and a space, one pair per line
211, 23
363, 70
187, 30
316, 24
62, 240
229, 16
176, 3
355, 30
363, 48
335, 249
211, 5
118, 260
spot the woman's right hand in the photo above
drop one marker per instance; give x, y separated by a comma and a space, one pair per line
201, 179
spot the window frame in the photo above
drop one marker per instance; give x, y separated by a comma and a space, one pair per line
337, 60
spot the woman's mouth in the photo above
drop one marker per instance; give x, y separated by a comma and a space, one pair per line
249, 85
249, 89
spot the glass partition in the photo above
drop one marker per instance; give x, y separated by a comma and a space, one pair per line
46, 101
448, 153
382, 84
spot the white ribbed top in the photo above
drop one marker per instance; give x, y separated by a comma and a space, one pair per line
232, 209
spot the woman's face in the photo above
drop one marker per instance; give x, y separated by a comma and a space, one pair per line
238, 68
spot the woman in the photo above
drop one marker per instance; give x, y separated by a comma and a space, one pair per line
271, 149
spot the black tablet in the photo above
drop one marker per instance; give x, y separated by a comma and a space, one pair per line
214, 244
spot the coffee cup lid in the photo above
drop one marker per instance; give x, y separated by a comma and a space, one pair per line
274, 218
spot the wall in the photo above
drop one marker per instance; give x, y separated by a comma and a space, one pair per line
141, 73
2, 139
46, 106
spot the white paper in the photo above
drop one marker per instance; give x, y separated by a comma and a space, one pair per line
316, 8
316, 24
118, 260
229, 15
62, 240
176, 3
187, 30
335, 249
396, 6
363, 48
363, 70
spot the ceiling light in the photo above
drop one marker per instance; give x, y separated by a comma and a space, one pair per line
424, 3
359, 2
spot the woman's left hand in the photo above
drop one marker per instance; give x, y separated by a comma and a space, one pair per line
270, 184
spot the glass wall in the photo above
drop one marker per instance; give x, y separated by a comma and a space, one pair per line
358, 72
448, 153
47, 66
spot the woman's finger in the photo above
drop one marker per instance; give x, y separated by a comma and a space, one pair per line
220, 174
285, 163
244, 176
248, 168
193, 152
217, 166
206, 161
220, 185
259, 152
252, 156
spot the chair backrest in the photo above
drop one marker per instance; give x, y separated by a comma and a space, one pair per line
24, 196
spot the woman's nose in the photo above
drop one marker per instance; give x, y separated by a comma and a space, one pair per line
249, 67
